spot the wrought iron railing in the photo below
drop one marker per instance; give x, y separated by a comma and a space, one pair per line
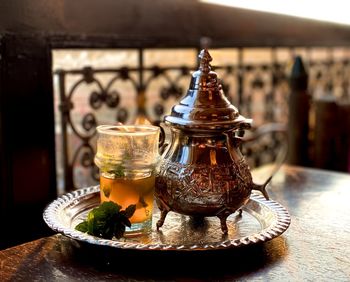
260, 91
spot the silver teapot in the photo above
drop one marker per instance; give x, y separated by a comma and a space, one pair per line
202, 171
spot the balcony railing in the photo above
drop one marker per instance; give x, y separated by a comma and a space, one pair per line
127, 93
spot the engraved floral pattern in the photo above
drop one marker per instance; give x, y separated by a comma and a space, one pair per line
223, 183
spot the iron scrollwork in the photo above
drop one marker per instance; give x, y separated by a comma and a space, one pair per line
85, 152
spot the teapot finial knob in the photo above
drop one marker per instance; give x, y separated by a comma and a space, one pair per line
205, 59
205, 105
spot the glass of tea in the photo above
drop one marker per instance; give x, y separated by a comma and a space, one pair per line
127, 156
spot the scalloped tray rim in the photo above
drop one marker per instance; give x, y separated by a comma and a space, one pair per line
280, 225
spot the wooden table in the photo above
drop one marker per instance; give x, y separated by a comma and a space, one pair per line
315, 247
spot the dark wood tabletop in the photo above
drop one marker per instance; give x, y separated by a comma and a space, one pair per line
315, 247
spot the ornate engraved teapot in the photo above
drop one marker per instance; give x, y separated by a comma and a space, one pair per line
202, 171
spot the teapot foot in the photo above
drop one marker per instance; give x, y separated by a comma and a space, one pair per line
163, 215
223, 217
164, 209
223, 224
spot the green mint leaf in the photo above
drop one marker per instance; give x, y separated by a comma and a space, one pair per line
127, 222
119, 230
101, 218
129, 211
142, 201
123, 219
107, 231
91, 222
82, 227
108, 208
107, 220
106, 191
119, 171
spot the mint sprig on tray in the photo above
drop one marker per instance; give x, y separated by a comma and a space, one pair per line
107, 220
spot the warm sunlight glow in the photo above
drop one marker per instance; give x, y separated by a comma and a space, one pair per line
335, 11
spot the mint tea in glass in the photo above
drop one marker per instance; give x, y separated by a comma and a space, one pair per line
127, 156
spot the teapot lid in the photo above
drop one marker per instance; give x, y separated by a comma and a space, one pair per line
205, 105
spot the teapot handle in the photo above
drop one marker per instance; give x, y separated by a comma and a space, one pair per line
161, 145
281, 156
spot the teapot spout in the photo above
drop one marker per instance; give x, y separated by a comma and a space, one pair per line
262, 188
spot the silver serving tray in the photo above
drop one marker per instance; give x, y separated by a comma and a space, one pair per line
261, 221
